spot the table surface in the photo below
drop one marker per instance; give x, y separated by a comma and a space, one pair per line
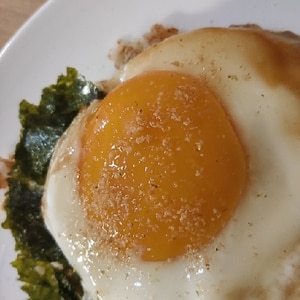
13, 13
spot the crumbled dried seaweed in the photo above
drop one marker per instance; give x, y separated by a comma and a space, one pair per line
41, 265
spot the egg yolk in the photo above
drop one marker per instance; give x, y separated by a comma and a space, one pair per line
161, 168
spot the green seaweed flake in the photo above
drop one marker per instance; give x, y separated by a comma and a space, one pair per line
41, 265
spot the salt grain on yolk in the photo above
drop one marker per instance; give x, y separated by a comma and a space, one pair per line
161, 169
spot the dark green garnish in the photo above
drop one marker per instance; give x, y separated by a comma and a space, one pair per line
41, 265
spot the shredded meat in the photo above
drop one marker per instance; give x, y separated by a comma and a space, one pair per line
5, 166
124, 50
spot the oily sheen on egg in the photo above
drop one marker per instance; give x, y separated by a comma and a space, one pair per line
183, 182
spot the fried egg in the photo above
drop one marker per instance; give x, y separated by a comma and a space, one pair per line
183, 182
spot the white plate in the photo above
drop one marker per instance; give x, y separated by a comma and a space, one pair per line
79, 33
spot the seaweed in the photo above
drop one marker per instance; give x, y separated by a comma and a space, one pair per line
41, 265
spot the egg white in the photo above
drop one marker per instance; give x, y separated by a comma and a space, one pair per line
257, 255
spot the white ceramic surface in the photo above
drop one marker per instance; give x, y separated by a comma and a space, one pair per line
79, 33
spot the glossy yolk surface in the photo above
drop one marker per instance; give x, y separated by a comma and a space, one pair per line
161, 168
